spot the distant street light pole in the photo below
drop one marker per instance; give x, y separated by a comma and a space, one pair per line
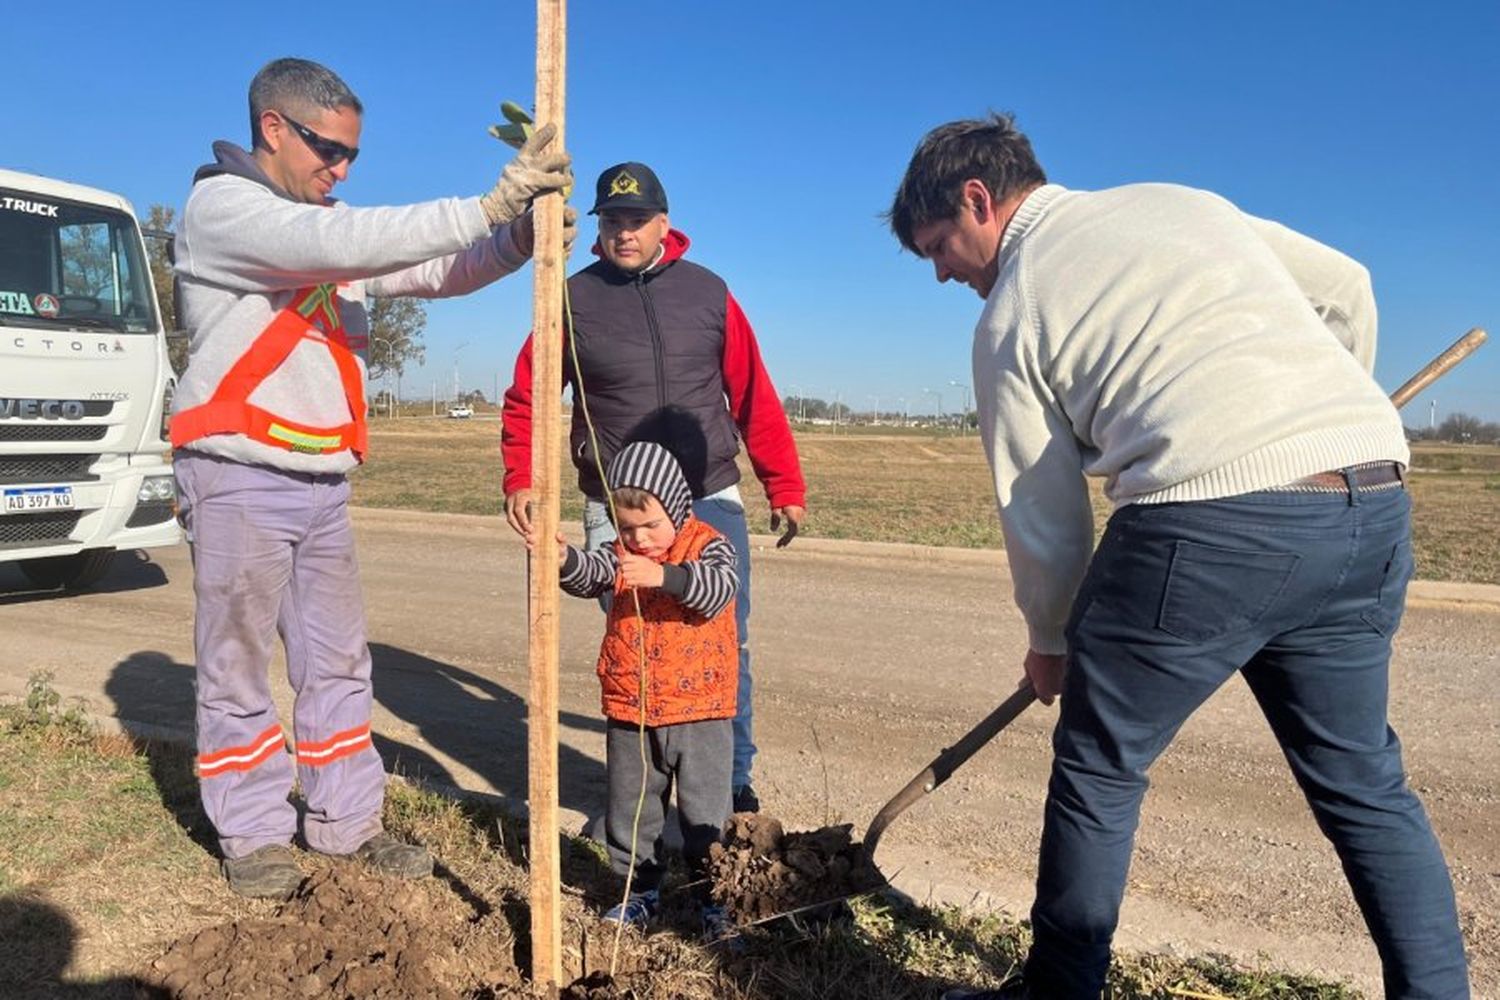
937, 413
876, 420
456, 352
390, 352
901, 403
963, 419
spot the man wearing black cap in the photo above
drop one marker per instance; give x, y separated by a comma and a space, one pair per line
665, 354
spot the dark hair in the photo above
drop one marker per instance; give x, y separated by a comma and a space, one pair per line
296, 86
633, 497
991, 150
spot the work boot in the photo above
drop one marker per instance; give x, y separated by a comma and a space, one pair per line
390, 856
1012, 989
637, 911
268, 872
745, 800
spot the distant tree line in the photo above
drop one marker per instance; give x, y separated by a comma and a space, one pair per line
809, 409
1458, 428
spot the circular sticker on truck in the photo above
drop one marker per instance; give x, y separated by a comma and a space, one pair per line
46, 305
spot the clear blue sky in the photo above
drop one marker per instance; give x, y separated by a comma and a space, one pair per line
780, 131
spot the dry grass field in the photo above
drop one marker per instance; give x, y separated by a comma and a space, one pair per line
921, 488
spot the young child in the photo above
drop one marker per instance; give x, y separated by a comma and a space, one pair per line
683, 574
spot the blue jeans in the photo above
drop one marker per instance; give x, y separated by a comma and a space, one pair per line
725, 512
1300, 593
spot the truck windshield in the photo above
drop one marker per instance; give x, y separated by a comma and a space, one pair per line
68, 265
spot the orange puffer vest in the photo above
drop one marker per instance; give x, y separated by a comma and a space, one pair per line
692, 662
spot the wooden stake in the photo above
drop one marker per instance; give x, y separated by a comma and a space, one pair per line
546, 475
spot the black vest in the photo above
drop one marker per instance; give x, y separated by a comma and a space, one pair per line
651, 356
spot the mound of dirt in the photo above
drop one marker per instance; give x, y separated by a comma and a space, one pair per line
346, 933
761, 871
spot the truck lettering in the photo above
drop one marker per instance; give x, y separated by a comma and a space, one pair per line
30, 207
16, 302
46, 409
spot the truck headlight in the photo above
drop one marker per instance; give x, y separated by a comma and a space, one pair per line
157, 489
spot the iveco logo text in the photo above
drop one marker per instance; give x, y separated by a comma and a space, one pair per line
34, 207
47, 409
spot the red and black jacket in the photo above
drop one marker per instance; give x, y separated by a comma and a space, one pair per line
664, 355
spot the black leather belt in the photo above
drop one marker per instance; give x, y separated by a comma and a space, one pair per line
1374, 476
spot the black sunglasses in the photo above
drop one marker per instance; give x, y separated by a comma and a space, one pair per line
329, 151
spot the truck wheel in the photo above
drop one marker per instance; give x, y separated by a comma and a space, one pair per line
76, 572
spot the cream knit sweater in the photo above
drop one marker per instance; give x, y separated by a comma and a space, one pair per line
1158, 337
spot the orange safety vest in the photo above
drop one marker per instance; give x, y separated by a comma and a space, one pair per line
313, 313
692, 662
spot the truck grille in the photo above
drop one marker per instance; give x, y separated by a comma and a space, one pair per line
53, 432
47, 468
29, 529
150, 513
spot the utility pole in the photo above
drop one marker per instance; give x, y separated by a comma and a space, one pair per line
456, 352
937, 413
1432, 415
963, 418
434, 397
385, 380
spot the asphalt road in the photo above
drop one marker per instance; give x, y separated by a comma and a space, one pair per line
869, 660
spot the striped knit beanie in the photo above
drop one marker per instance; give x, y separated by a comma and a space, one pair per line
652, 468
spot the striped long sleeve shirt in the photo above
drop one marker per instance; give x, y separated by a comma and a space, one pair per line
705, 585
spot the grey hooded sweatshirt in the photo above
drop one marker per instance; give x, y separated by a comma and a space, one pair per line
245, 248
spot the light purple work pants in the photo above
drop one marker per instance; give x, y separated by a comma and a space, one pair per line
273, 552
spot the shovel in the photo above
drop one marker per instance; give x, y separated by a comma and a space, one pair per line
952, 758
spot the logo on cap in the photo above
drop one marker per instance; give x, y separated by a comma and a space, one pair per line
624, 183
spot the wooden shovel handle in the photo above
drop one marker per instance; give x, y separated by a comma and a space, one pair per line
950, 760
1438, 366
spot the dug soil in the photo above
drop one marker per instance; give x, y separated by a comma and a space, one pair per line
760, 872
350, 932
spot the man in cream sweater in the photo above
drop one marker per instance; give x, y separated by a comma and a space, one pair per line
268, 418
1214, 369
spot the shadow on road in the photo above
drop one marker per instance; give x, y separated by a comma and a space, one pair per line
36, 946
154, 703
132, 570
475, 722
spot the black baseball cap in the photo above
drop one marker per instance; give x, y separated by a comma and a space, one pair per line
629, 185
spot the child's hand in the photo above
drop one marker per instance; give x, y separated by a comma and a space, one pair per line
640, 571
562, 545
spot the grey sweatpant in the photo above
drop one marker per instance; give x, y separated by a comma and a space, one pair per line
273, 553
697, 757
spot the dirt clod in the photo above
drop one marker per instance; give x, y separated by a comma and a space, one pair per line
761, 871
346, 933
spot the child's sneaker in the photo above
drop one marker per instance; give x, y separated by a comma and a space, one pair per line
718, 928
637, 911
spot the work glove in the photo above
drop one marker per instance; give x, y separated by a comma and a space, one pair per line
523, 231
534, 171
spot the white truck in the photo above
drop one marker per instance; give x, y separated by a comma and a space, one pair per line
85, 385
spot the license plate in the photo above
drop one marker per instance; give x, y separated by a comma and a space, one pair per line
33, 499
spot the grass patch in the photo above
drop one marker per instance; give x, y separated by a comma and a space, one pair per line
103, 861
927, 489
